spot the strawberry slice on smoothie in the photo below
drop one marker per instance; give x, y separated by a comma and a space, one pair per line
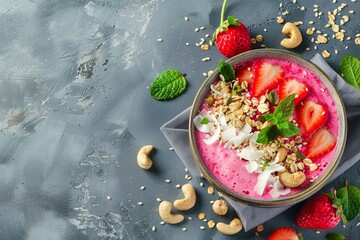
290, 86
245, 74
266, 77
320, 144
311, 115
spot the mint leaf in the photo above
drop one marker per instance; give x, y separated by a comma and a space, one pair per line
266, 135
237, 90
266, 164
229, 100
300, 155
204, 121
270, 118
335, 236
273, 97
226, 70
287, 129
350, 70
285, 108
168, 85
350, 196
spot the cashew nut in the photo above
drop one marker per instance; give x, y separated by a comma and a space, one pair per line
167, 216
281, 154
220, 207
234, 227
294, 34
189, 200
142, 157
292, 180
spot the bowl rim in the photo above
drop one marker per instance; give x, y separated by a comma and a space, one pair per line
316, 185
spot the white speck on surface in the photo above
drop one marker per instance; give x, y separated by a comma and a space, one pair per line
162, 223
186, 18
153, 228
159, 40
187, 44
140, 203
158, 200
142, 187
108, 197
184, 229
167, 180
202, 228
177, 186
171, 149
90, 8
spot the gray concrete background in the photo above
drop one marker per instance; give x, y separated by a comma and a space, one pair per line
75, 108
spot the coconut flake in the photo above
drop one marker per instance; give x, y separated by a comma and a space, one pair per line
212, 87
206, 114
246, 129
239, 139
222, 120
228, 134
250, 155
205, 128
213, 138
252, 166
278, 189
264, 176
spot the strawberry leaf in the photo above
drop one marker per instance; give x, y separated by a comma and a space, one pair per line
168, 85
350, 196
232, 21
226, 70
335, 236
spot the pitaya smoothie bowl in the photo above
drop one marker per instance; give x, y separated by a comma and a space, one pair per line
274, 134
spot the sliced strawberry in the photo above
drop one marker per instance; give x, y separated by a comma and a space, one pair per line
284, 233
245, 74
321, 143
266, 77
311, 116
290, 86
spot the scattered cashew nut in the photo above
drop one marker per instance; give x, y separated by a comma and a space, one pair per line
294, 36
189, 200
281, 154
167, 216
220, 207
234, 227
142, 157
292, 180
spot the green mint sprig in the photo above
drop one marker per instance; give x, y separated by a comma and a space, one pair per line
168, 85
279, 124
350, 70
226, 70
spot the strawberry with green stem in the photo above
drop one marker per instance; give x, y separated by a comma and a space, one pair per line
324, 211
231, 37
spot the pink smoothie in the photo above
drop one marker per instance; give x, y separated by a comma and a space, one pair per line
229, 169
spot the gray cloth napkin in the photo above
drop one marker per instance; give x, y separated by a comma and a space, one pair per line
176, 132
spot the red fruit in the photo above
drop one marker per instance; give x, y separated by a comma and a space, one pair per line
266, 77
233, 41
311, 116
318, 213
284, 233
245, 74
321, 143
290, 86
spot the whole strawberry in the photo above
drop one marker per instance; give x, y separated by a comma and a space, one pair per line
231, 37
318, 213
